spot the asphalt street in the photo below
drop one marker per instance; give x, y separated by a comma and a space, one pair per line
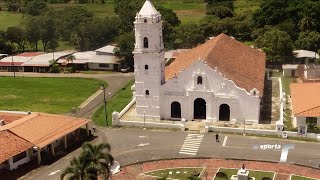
137, 145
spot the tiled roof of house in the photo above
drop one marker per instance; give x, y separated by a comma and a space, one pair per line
11, 145
30, 54
305, 99
41, 129
238, 62
10, 117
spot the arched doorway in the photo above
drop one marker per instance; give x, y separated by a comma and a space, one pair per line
175, 110
224, 112
199, 109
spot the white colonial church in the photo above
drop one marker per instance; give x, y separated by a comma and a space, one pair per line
220, 80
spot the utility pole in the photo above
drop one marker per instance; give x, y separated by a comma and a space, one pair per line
105, 102
14, 72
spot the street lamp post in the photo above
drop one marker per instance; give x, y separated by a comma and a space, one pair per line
105, 102
244, 126
14, 72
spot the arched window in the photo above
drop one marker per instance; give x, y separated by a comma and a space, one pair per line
145, 20
145, 42
147, 92
199, 80
146, 67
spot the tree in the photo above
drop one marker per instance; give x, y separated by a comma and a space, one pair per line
100, 157
126, 10
80, 169
93, 161
271, 12
48, 32
220, 8
277, 44
125, 47
33, 32
18, 36
188, 36
35, 7
309, 40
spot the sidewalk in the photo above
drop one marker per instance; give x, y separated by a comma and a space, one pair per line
212, 165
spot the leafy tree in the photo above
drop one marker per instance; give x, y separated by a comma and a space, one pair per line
100, 157
309, 40
126, 10
4, 47
35, 7
188, 36
33, 32
48, 32
277, 44
271, 12
18, 36
170, 21
125, 47
220, 8
95, 34
13, 5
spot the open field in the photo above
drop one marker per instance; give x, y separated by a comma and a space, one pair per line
116, 103
176, 173
8, 19
294, 177
51, 95
258, 175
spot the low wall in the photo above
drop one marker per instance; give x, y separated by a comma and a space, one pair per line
242, 130
124, 110
150, 124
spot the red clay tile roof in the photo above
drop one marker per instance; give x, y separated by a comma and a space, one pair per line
30, 54
10, 117
42, 129
10, 63
305, 99
240, 63
11, 145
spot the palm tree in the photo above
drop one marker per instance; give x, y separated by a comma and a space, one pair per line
71, 58
80, 169
100, 157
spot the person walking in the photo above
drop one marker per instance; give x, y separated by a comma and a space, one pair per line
217, 137
94, 128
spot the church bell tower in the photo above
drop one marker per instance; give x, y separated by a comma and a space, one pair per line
148, 60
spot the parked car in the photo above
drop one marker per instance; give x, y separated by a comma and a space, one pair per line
125, 69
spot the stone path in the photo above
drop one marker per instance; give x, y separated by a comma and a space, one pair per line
212, 165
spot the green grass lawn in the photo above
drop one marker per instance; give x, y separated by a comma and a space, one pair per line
183, 173
116, 103
51, 95
295, 177
9, 19
257, 174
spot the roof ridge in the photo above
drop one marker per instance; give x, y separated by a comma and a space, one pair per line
308, 110
216, 39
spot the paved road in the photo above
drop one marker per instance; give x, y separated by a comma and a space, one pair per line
136, 145
115, 81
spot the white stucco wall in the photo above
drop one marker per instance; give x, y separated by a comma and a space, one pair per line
215, 90
302, 120
95, 66
149, 79
14, 165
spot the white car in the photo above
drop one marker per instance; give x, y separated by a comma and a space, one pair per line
124, 70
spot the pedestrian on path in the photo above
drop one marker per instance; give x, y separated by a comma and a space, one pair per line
243, 167
217, 137
94, 128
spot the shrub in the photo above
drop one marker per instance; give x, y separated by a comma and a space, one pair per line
266, 178
222, 175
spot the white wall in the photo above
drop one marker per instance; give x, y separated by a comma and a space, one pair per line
148, 79
302, 120
15, 165
215, 90
95, 66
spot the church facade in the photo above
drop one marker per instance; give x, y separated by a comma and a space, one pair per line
220, 80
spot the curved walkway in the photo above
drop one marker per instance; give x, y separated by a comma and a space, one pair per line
212, 165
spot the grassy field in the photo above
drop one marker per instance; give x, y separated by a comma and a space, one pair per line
183, 173
51, 95
116, 103
8, 19
257, 174
294, 177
